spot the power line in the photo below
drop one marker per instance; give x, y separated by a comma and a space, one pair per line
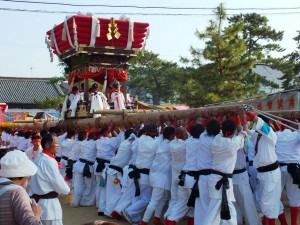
144, 7
135, 13
106, 13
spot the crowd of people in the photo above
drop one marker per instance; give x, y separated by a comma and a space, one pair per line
97, 100
211, 171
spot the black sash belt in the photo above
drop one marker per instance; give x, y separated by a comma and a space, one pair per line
239, 171
135, 174
195, 190
86, 170
49, 195
57, 158
101, 164
224, 183
192, 173
65, 158
283, 164
251, 163
119, 169
294, 171
268, 168
69, 168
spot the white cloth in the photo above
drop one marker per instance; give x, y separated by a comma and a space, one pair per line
177, 150
33, 154
181, 209
74, 101
14, 141
146, 152
288, 146
204, 154
292, 190
23, 143
244, 204
269, 182
202, 203
204, 161
127, 192
134, 149
157, 198
113, 190
224, 152
84, 190
191, 146
213, 215
77, 151
98, 102
140, 203
118, 99
48, 179
266, 146
160, 175
270, 193
60, 138
89, 154
67, 145
100, 192
123, 155
107, 147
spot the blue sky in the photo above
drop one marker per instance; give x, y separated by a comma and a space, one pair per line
22, 45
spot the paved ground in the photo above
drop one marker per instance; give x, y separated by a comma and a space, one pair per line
78, 216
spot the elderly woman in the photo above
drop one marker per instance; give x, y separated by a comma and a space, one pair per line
16, 208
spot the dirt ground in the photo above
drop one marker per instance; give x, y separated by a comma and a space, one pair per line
78, 216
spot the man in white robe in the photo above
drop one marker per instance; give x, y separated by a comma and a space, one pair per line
224, 150
160, 176
34, 151
187, 178
114, 181
288, 155
145, 156
67, 146
83, 174
177, 150
47, 184
107, 146
265, 161
204, 163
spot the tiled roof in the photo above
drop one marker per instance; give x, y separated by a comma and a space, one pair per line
26, 90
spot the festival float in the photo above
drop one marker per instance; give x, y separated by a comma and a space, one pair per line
98, 49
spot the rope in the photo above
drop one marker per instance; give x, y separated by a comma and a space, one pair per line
278, 117
262, 113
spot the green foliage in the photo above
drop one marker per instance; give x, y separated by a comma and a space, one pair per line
291, 67
261, 40
223, 77
153, 75
50, 103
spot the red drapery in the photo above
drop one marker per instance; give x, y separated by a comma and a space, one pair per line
98, 74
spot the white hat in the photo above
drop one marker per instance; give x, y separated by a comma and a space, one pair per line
16, 164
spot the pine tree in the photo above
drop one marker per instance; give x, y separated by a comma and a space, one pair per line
223, 77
